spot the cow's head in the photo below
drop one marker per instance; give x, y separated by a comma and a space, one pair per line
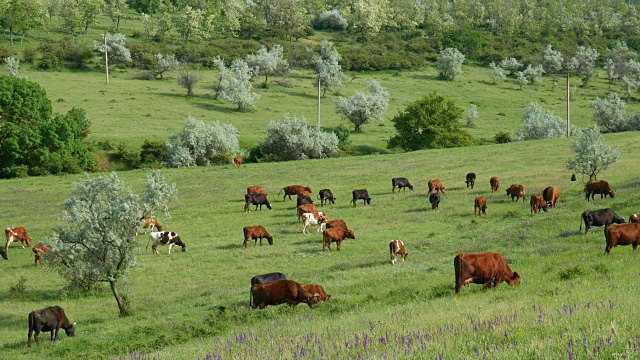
617, 219
71, 331
410, 187
268, 205
612, 193
368, 199
313, 299
404, 257
515, 279
350, 234
307, 189
270, 240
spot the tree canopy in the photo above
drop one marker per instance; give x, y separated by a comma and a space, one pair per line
593, 155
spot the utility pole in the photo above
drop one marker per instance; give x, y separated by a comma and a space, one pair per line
318, 124
106, 57
568, 107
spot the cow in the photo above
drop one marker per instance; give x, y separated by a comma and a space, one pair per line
303, 200
397, 247
308, 208
470, 180
435, 185
624, 234
294, 190
38, 252
3, 253
264, 279
309, 220
148, 222
573, 177
537, 202
336, 224
256, 190
237, 161
337, 236
15, 234
434, 199
165, 238
551, 196
400, 183
598, 187
254, 233
325, 195
280, 292
49, 319
516, 191
480, 204
255, 199
316, 289
602, 217
634, 219
361, 194
495, 184
483, 268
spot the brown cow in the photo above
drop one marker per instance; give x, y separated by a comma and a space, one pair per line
397, 247
254, 233
551, 196
336, 224
280, 292
237, 161
294, 190
316, 289
148, 222
49, 319
256, 190
15, 234
307, 208
336, 236
598, 187
634, 219
623, 234
39, 251
435, 185
537, 202
480, 204
495, 184
483, 268
516, 191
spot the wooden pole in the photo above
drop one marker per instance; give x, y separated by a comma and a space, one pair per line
106, 58
568, 107
318, 124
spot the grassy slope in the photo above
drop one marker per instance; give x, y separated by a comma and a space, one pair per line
180, 302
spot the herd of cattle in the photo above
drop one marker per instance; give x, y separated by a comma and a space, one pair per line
274, 288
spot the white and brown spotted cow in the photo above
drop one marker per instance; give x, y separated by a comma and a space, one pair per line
397, 247
165, 238
149, 222
15, 234
310, 219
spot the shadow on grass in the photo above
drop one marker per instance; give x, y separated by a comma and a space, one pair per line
370, 150
427, 77
231, 246
420, 210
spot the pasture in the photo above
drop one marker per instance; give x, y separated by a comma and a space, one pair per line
573, 302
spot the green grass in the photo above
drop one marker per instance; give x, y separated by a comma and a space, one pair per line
188, 305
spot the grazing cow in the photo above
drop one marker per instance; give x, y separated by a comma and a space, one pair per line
397, 247
480, 204
495, 184
256, 190
551, 196
148, 222
308, 208
470, 180
516, 191
326, 195
361, 194
434, 199
264, 279
400, 183
15, 234
598, 187
316, 289
39, 251
309, 220
336, 224
237, 161
634, 219
280, 292
483, 268
624, 234
602, 217
294, 190
537, 202
49, 319
165, 238
254, 233
303, 200
573, 177
255, 199
337, 236
435, 185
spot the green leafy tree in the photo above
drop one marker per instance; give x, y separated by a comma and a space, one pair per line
326, 63
364, 108
290, 15
194, 23
89, 11
70, 17
368, 16
449, 63
593, 155
405, 14
22, 16
432, 122
233, 11
116, 10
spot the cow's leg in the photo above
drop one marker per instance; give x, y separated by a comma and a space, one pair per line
29, 336
37, 336
169, 246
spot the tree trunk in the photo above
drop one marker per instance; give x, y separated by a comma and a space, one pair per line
118, 23
86, 27
11, 34
114, 289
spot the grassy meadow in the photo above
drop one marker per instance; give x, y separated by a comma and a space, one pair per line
573, 302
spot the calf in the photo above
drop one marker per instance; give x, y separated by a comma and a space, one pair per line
634, 219
361, 194
434, 199
336, 224
264, 279
49, 319
15, 234
294, 190
255, 199
316, 289
551, 196
309, 220
256, 190
516, 191
309, 208
165, 238
495, 184
303, 200
148, 222
482, 268
624, 234
337, 236
397, 247
280, 292
480, 204
602, 217
254, 233
435, 185
237, 161
598, 187
537, 202
470, 180
400, 183
39, 251
325, 195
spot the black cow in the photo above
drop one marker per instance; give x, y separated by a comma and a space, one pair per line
471, 179
361, 194
434, 199
400, 183
3, 254
255, 199
573, 177
326, 195
264, 279
602, 217
303, 200
49, 319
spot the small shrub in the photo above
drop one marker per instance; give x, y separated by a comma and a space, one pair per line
292, 139
18, 290
153, 152
502, 137
571, 272
29, 55
342, 132
330, 20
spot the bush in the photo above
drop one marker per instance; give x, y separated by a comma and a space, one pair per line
76, 53
29, 55
502, 137
153, 152
374, 56
343, 133
330, 20
571, 272
291, 139
449, 63
539, 123
611, 114
18, 290
50, 59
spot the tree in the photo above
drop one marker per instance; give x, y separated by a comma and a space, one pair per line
497, 73
232, 12
238, 86
290, 15
592, 154
194, 23
405, 14
449, 63
12, 66
583, 63
222, 78
472, 115
331, 20
292, 139
89, 11
522, 79
511, 64
269, 63
117, 10
611, 113
22, 15
70, 17
102, 217
553, 61
188, 78
539, 123
534, 74
364, 108
117, 52
326, 65
432, 122
617, 60
368, 16
163, 63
